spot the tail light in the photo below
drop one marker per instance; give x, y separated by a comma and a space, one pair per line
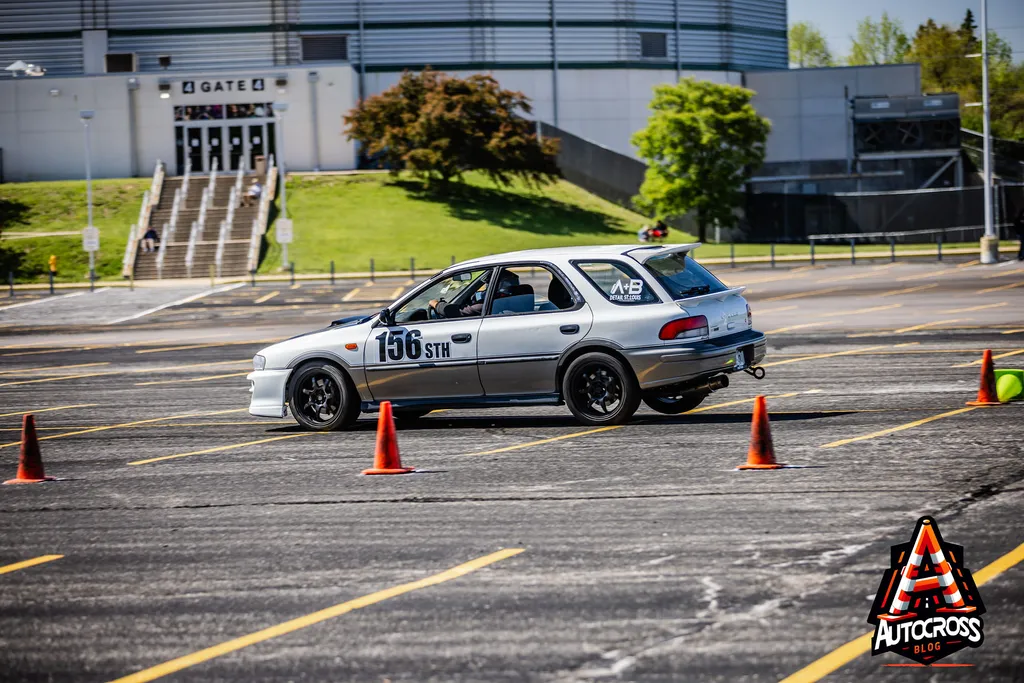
750, 317
685, 328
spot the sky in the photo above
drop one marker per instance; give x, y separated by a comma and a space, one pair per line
837, 19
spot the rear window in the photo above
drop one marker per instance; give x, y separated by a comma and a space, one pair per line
682, 276
618, 282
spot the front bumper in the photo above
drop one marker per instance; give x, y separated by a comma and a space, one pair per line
666, 365
267, 388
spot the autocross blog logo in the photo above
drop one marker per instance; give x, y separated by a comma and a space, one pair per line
927, 606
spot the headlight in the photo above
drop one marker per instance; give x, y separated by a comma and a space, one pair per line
259, 362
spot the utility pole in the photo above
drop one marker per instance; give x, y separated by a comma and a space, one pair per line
990, 242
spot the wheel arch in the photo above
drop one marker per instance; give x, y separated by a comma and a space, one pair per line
322, 357
587, 346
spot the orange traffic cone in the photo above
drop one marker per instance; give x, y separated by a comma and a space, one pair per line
761, 455
386, 460
30, 464
987, 395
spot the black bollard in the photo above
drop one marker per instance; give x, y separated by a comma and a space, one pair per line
371, 270
10, 282
940, 246
332, 273
291, 269
412, 268
773, 254
51, 283
732, 255
853, 252
812, 252
892, 250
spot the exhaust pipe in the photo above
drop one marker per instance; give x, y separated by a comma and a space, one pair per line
701, 387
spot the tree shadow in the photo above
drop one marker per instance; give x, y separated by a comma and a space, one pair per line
533, 213
12, 212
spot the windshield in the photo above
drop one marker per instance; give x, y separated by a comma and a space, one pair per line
682, 276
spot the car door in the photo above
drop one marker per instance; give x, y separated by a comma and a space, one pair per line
422, 359
526, 330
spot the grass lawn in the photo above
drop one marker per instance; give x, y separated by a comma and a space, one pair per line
60, 206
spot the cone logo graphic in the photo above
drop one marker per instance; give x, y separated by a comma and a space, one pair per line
927, 606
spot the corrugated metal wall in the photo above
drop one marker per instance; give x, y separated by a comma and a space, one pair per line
714, 34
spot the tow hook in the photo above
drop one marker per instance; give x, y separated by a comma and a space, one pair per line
755, 372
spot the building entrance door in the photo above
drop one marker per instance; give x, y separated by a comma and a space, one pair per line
203, 134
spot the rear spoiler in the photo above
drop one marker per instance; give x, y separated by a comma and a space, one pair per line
714, 296
644, 254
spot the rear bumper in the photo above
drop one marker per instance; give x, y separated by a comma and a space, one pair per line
267, 388
666, 365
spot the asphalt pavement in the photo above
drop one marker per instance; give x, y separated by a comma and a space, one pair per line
528, 547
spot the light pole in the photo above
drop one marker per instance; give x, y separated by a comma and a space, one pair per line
990, 242
86, 115
279, 109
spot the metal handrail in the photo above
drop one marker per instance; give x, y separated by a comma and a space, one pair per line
204, 204
190, 252
129, 250
162, 251
225, 230
254, 245
239, 176
179, 199
185, 179
213, 176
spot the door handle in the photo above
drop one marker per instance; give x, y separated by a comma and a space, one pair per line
569, 329
462, 337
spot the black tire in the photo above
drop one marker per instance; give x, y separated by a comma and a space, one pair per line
322, 398
674, 405
600, 390
409, 414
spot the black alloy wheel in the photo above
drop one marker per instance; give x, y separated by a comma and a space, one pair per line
599, 389
321, 397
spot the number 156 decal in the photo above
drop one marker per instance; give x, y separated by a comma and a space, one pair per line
396, 346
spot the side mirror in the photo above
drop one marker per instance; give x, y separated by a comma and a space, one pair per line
387, 317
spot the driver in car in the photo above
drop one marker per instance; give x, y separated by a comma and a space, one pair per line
443, 309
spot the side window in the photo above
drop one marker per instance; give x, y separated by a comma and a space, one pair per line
618, 282
529, 289
458, 296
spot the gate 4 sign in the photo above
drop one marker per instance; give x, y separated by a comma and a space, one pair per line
927, 606
91, 238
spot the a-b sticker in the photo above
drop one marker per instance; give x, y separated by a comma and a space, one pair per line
927, 606
627, 292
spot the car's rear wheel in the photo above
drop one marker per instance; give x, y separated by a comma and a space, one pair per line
600, 389
674, 405
321, 397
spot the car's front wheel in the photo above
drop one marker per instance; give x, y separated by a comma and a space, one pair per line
674, 405
321, 397
600, 390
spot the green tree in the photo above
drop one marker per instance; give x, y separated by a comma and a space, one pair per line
439, 126
701, 143
879, 43
808, 47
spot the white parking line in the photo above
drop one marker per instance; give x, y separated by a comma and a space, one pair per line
179, 302
49, 298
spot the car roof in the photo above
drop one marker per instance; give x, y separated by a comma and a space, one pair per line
564, 253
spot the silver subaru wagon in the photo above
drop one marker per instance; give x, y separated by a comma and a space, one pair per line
599, 329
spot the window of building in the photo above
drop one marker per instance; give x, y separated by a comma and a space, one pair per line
325, 48
120, 62
617, 282
654, 45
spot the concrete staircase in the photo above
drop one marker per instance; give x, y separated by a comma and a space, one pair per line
236, 248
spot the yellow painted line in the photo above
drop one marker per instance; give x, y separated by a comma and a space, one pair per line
1005, 273
996, 357
858, 311
969, 263
191, 379
219, 449
544, 441
975, 308
266, 297
908, 290
52, 367
851, 352
397, 293
207, 345
1001, 288
736, 403
779, 330
287, 627
924, 326
42, 559
800, 295
777, 309
148, 426
925, 276
296, 285
47, 410
891, 430
352, 295
52, 379
1013, 331
103, 428
845, 654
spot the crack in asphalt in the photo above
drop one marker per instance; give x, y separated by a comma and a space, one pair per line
439, 500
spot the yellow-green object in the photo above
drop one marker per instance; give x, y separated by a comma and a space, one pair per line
1009, 387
